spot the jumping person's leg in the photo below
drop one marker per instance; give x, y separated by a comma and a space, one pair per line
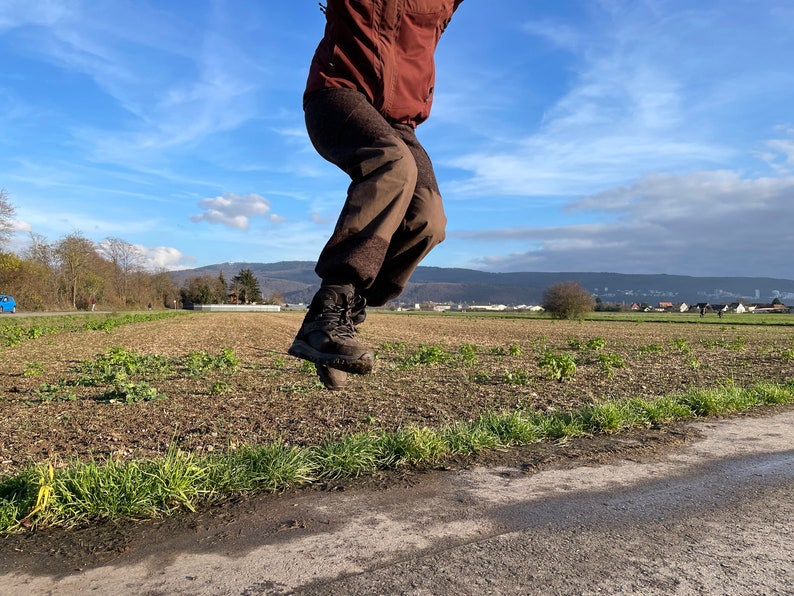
347, 131
422, 228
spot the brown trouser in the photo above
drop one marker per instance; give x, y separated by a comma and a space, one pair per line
393, 214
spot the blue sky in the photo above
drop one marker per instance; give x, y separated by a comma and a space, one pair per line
642, 136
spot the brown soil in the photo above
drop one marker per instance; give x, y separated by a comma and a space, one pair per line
273, 396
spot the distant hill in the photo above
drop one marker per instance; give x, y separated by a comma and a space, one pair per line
297, 282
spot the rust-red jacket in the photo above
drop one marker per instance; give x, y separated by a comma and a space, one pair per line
384, 49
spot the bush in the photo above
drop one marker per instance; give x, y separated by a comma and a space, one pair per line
567, 300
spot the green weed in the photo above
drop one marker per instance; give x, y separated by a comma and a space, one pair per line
33, 369
425, 355
557, 366
517, 377
787, 354
395, 346
596, 343
609, 362
307, 367
59, 391
468, 354
692, 363
480, 377
115, 361
130, 392
220, 388
593, 344
680, 344
651, 349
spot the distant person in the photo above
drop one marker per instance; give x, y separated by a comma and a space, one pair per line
370, 84
149, 306
93, 304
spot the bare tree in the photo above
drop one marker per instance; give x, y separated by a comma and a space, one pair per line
43, 264
7, 212
41, 251
74, 253
165, 289
274, 298
205, 289
126, 259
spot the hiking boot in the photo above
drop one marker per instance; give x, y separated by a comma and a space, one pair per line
333, 378
327, 334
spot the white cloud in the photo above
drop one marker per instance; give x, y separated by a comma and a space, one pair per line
703, 223
620, 122
320, 220
17, 13
235, 211
20, 236
179, 83
558, 34
21, 227
164, 258
779, 153
645, 90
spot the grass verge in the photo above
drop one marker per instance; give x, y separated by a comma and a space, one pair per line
42, 495
21, 328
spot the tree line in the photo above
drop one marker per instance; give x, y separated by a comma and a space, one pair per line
243, 289
72, 272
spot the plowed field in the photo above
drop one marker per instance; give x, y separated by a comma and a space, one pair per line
430, 370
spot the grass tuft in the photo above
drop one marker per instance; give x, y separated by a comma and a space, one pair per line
42, 495
350, 457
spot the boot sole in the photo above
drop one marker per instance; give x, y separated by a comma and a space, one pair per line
360, 365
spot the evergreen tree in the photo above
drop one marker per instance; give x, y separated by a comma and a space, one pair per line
247, 286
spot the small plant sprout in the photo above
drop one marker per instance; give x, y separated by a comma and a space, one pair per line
692, 363
129, 392
609, 362
557, 366
425, 355
517, 377
680, 344
220, 388
468, 354
652, 349
33, 369
480, 377
596, 343
59, 391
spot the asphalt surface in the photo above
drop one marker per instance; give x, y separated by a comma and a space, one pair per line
713, 516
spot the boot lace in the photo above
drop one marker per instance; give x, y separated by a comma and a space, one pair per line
336, 321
